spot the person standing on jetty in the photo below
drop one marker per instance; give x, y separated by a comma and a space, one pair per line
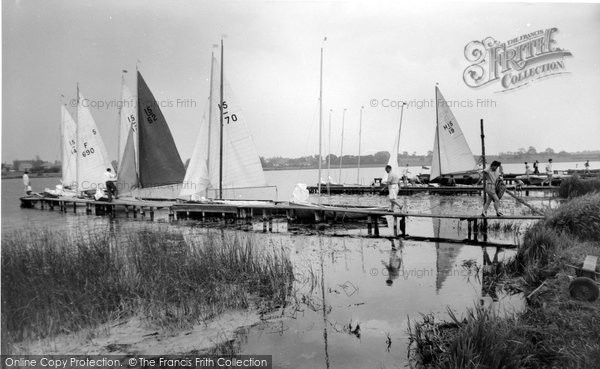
110, 179
536, 169
527, 170
549, 172
492, 176
392, 183
26, 183
587, 167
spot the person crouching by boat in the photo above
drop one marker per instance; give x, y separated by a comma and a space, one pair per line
536, 169
392, 183
26, 183
492, 175
110, 178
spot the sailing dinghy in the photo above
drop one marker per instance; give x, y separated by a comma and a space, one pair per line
451, 153
225, 158
92, 159
68, 142
150, 166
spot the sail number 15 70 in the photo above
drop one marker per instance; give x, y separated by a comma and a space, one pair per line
226, 116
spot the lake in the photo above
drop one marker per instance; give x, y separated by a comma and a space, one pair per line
344, 279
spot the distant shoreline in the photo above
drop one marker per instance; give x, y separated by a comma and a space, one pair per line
412, 163
13, 175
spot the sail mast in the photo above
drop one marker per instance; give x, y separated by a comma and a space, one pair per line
62, 141
320, 122
77, 141
329, 155
437, 131
359, 143
342, 146
399, 132
221, 129
210, 107
119, 123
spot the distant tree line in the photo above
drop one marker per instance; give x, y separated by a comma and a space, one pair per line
311, 162
382, 157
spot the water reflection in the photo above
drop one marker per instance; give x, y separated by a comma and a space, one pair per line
352, 295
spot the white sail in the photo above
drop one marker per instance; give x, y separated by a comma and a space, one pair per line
127, 119
92, 156
241, 163
393, 160
68, 130
451, 153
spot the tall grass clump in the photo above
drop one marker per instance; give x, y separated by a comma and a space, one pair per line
477, 341
579, 217
52, 284
576, 186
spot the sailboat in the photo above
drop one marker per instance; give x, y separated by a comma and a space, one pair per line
68, 142
92, 158
451, 153
225, 158
149, 161
128, 127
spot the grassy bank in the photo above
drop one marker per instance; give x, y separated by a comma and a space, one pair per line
53, 284
576, 186
554, 331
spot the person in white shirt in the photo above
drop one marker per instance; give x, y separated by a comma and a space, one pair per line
405, 175
392, 183
110, 179
26, 183
527, 170
492, 175
549, 172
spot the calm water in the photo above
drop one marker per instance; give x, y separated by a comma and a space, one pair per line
341, 281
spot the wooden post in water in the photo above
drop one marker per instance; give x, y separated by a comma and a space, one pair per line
484, 179
483, 158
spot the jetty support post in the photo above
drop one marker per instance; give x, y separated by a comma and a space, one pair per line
376, 225
469, 229
475, 230
485, 229
369, 225
403, 225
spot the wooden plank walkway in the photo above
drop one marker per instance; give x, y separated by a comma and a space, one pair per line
265, 211
477, 224
410, 190
100, 207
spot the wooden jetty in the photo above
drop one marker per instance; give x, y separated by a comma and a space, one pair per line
476, 224
245, 212
411, 190
63, 204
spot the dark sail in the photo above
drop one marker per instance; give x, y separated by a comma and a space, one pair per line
159, 161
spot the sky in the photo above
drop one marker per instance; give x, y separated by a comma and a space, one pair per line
376, 53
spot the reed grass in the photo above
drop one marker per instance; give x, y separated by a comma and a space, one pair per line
52, 284
555, 331
576, 186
